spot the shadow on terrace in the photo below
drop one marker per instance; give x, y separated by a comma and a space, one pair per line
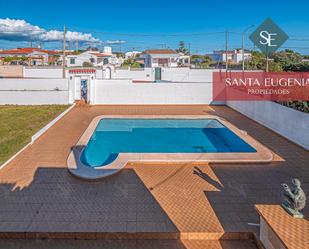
57, 202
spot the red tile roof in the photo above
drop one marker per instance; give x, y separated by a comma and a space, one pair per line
19, 51
101, 54
82, 70
160, 51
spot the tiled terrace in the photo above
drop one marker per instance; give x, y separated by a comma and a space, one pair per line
204, 201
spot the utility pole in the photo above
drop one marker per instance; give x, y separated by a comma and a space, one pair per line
267, 66
243, 46
243, 51
64, 48
226, 49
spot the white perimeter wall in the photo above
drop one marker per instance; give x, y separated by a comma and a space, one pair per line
33, 91
126, 92
289, 123
187, 75
44, 72
146, 74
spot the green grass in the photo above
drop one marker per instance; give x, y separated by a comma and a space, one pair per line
19, 123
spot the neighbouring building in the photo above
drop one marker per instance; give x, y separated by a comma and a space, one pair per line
160, 58
92, 57
29, 56
234, 56
184, 60
96, 58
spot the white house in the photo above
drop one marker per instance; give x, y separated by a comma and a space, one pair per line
33, 56
231, 55
160, 58
94, 57
184, 60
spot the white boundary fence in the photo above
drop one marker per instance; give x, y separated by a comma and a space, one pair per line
289, 123
33, 91
126, 92
42, 72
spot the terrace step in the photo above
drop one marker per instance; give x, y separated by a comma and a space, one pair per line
81, 103
132, 244
129, 236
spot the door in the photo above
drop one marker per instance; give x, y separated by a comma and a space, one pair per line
158, 73
108, 73
84, 90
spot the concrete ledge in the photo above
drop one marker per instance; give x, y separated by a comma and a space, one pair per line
280, 230
128, 236
77, 168
37, 135
50, 124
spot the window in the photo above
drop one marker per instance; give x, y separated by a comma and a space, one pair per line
92, 60
105, 61
72, 61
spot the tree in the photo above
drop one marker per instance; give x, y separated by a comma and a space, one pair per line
182, 48
127, 62
297, 67
275, 66
119, 54
201, 61
286, 60
257, 61
131, 63
136, 65
287, 57
87, 64
302, 106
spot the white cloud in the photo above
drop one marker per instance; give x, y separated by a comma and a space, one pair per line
115, 42
20, 30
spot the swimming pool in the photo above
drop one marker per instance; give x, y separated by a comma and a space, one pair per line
113, 136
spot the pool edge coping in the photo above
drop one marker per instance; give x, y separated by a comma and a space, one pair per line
77, 168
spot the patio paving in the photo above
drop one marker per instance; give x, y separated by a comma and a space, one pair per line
187, 201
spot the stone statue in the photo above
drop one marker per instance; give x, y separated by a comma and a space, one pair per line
295, 198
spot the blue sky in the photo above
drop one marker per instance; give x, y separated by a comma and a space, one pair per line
142, 23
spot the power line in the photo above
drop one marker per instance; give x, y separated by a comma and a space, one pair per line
152, 34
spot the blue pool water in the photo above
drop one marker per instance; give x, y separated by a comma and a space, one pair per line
114, 136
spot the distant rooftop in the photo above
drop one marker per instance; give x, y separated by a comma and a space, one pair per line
101, 54
159, 51
19, 51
